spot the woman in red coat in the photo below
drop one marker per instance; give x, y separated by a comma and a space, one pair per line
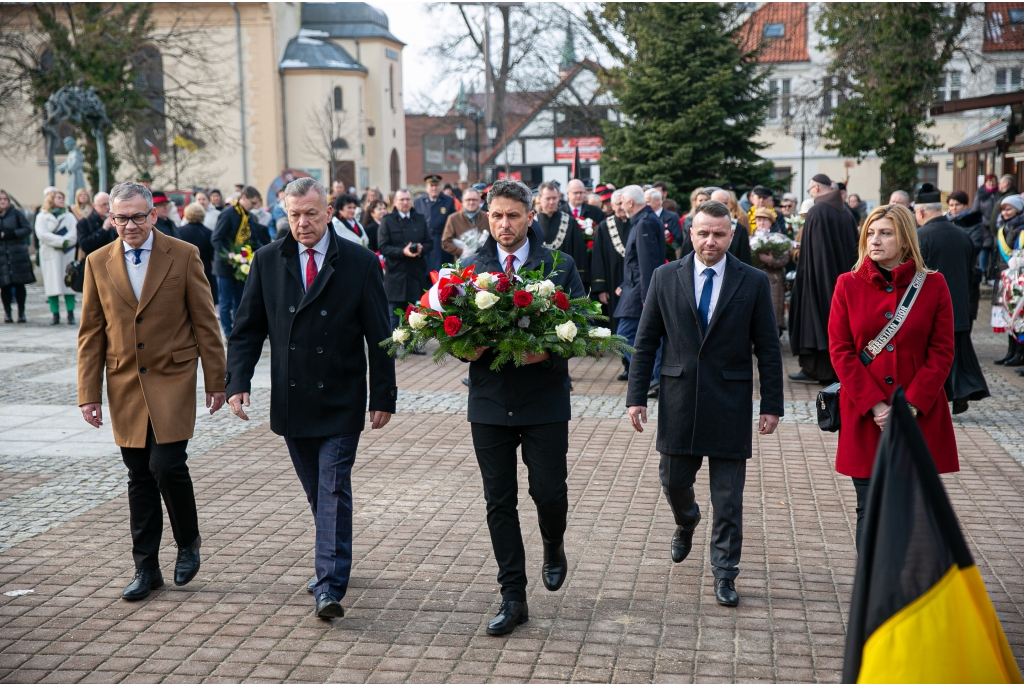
918, 358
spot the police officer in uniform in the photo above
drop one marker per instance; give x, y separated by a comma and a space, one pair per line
435, 207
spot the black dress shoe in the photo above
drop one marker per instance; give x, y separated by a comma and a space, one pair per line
1019, 372
682, 543
802, 378
512, 613
624, 376
8, 318
1011, 351
187, 565
145, 580
960, 406
725, 592
1017, 360
311, 585
555, 567
21, 317
327, 607
465, 382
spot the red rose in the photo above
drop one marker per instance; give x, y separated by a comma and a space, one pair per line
522, 299
452, 325
503, 284
560, 300
409, 310
590, 244
446, 293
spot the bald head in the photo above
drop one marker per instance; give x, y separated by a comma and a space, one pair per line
101, 203
722, 196
576, 192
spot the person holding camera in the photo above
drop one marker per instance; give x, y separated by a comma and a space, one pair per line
404, 241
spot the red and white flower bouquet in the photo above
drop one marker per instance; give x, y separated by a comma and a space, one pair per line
518, 315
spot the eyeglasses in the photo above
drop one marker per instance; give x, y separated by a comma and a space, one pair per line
122, 221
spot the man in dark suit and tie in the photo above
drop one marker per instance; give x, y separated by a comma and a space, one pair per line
710, 310
321, 301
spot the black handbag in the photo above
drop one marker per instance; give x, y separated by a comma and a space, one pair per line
828, 397
74, 275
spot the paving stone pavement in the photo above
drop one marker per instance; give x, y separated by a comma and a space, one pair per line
423, 581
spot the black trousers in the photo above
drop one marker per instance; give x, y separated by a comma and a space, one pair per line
156, 471
19, 295
544, 453
861, 485
678, 473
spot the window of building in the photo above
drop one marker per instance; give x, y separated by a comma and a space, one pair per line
949, 87
391, 84
928, 173
833, 93
396, 171
774, 30
783, 179
442, 153
1017, 16
339, 102
148, 66
1007, 80
780, 100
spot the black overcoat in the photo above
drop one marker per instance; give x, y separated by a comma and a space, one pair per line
15, 264
705, 406
608, 257
645, 252
948, 250
223, 238
574, 244
828, 248
407, 276
670, 222
199, 235
91, 234
531, 394
974, 224
317, 338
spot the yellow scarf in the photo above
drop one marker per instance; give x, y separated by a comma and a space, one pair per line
244, 234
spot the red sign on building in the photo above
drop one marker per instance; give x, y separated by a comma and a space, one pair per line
515, 176
590, 149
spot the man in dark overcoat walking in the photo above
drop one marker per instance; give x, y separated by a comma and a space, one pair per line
607, 261
321, 301
710, 310
405, 241
524, 406
948, 249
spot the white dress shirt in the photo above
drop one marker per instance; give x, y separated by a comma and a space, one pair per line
404, 215
319, 254
520, 256
716, 282
137, 272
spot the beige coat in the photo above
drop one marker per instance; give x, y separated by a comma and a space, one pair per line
149, 346
458, 223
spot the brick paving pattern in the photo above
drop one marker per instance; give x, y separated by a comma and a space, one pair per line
423, 582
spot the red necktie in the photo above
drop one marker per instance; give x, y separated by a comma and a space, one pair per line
576, 213
310, 268
510, 262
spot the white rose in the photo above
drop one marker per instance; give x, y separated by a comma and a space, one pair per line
566, 331
599, 333
545, 304
484, 281
417, 320
401, 335
533, 288
244, 269
547, 289
588, 230
523, 322
486, 300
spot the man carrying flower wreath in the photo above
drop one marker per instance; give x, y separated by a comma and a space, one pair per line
521, 405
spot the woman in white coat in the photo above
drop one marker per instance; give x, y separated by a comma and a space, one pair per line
57, 231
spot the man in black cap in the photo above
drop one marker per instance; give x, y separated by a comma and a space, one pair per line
949, 250
761, 196
435, 207
828, 248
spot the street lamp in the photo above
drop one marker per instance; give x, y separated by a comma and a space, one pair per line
460, 132
492, 131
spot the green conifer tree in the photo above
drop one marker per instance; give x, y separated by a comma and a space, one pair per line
691, 98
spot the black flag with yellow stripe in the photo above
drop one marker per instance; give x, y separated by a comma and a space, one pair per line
920, 611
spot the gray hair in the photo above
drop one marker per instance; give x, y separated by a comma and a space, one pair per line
634, 193
902, 193
97, 196
130, 189
616, 194
712, 208
929, 206
655, 193
300, 187
1007, 177
513, 190
790, 197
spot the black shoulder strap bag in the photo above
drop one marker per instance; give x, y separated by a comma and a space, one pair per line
828, 398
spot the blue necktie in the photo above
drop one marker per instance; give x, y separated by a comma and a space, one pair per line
705, 299
137, 254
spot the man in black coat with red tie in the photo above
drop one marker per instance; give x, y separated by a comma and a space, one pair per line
524, 406
321, 301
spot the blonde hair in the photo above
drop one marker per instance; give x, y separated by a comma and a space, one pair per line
906, 235
693, 199
194, 213
87, 200
48, 200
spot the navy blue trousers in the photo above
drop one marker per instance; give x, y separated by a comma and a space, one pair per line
229, 296
627, 329
324, 467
